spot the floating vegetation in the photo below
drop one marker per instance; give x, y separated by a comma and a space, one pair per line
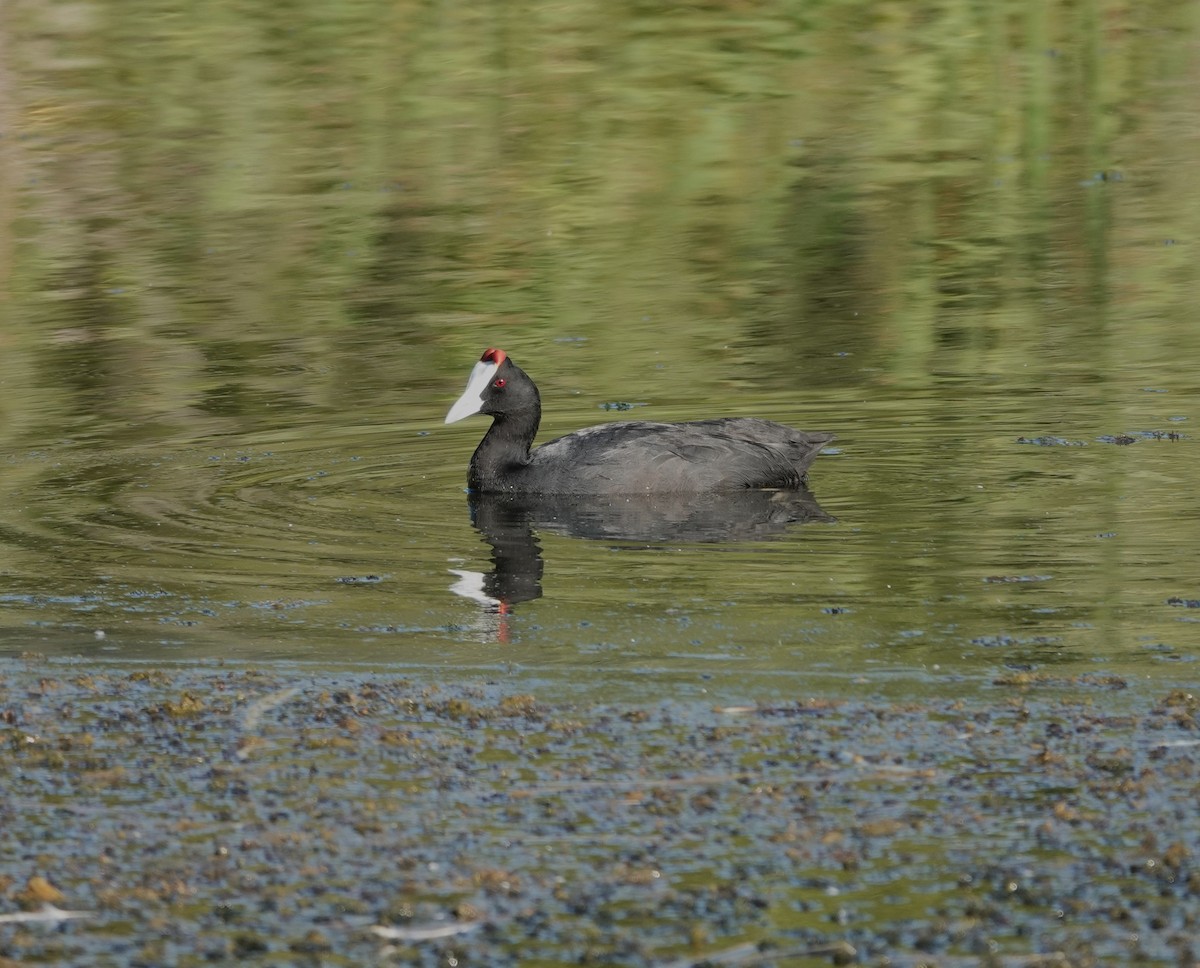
359, 818
1007, 641
1050, 441
620, 405
1157, 435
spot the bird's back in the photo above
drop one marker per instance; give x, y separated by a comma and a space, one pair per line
646, 457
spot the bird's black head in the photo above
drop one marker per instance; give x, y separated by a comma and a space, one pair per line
496, 387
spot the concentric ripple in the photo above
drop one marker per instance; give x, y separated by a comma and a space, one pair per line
236, 535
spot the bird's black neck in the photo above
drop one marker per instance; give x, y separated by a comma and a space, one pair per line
504, 450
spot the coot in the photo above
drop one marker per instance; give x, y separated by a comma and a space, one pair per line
628, 457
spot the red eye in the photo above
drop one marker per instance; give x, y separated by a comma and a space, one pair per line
499, 383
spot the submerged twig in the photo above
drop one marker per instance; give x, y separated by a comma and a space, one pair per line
264, 704
430, 933
47, 913
254, 714
743, 955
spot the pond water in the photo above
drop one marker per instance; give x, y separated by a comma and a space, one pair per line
936, 545
251, 257
273, 688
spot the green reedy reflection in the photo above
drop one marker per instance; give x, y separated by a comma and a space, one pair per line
201, 191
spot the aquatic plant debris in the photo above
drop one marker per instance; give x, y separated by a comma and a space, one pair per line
406, 820
47, 913
1051, 441
619, 405
1158, 434
432, 932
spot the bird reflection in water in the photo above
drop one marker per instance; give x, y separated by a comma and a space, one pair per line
510, 523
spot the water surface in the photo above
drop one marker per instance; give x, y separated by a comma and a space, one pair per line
252, 255
268, 679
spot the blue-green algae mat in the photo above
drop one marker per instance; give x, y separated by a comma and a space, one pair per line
226, 814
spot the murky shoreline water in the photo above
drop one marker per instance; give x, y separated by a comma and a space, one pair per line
256, 812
